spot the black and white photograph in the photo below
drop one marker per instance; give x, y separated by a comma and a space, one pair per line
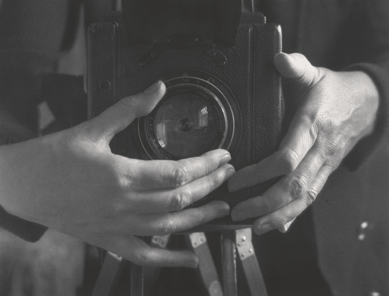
194, 148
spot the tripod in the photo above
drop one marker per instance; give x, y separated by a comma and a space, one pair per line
234, 243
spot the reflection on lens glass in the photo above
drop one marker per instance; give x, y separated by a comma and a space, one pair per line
186, 125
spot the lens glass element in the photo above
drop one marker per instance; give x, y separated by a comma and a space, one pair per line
187, 124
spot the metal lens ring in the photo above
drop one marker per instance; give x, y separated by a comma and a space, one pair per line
193, 117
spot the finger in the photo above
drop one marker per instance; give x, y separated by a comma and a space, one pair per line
147, 175
137, 251
157, 201
297, 67
290, 211
168, 223
291, 187
299, 139
120, 115
286, 227
301, 135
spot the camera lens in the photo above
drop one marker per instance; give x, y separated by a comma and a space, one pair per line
192, 118
187, 124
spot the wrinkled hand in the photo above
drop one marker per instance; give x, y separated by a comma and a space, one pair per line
70, 181
336, 109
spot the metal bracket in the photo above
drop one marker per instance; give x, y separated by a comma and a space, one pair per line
244, 244
197, 239
160, 241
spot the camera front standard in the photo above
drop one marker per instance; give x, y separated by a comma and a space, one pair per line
219, 95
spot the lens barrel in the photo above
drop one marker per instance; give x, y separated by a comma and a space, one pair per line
194, 116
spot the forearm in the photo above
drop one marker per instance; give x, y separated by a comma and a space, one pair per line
27, 230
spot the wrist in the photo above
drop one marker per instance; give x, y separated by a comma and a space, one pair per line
367, 147
365, 94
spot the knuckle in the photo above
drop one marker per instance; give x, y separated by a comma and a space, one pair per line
121, 182
326, 126
307, 120
334, 147
179, 200
297, 186
180, 176
311, 196
143, 258
290, 159
319, 153
311, 122
117, 207
332, 165
167, 227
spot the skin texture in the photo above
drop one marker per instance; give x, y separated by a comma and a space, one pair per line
70, 181
336, 110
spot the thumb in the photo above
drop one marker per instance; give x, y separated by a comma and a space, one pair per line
297, 67
119, 116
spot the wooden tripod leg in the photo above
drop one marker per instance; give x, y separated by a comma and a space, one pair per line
229, 263
249, 261
109, 273
137, 280
151, 273
207, 269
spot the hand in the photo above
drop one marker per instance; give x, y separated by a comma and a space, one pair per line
336, 110
70, 181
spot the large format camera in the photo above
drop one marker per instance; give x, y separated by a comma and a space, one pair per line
223, 90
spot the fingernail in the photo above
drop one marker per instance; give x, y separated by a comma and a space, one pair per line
263, 228
191, 264
286, 227
232, 186
235, 185
224, 159
231, 170
237, 216
153, 88
220, 208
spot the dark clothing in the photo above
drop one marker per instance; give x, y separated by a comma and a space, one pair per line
337, 34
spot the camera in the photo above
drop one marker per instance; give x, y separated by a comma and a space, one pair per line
223, 90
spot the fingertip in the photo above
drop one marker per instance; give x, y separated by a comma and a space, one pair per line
221, 156
232, 185
285, 64
150, 98
192, 261
260, 227
226, 157
291, 65
280, 56
221, 207
156, 88
237, 215
225, 206
286, 227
